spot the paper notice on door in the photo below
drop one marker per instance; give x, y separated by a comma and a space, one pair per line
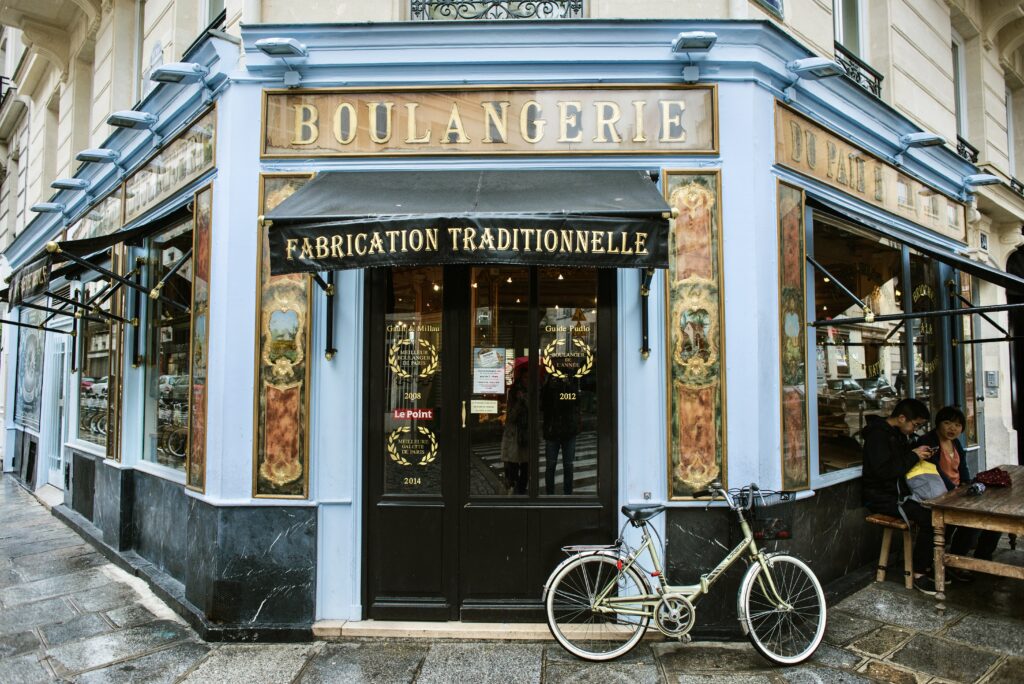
483, 406
488, 370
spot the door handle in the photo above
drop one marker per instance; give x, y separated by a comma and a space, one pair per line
463, 413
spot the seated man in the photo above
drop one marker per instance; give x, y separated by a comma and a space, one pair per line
887, 458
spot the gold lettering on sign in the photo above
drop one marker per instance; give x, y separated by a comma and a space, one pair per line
306, 129
852, 170
611, 119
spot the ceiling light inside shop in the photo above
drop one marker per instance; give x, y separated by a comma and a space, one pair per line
509, 280
561, 277
436, 287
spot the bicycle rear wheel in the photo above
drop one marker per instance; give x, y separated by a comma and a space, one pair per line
572, 595
785, 633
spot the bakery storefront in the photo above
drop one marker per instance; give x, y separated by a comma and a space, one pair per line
491, 318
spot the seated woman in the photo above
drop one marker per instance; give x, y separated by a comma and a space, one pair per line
951, 460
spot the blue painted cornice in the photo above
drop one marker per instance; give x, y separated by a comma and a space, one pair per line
551, 52
174, 105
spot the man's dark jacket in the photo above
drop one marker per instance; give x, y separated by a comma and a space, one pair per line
887, 458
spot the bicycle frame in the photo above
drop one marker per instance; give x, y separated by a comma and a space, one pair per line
644, 605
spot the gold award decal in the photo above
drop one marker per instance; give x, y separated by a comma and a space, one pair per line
419, 353
401, 443
584, 351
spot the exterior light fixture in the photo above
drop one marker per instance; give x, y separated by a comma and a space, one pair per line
70, 184
179, 72
48, 208
919, 139
812, 68
977, 179
285, 49
693, 41
132, 119
281, 47
98, 155
815, 67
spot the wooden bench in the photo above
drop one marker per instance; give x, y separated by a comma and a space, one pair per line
890, 524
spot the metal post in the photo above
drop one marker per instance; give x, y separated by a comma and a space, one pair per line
329, 349
646, 276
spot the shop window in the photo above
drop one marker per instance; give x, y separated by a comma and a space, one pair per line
929, 373
167, 368
970, 401
959, 85
861, 368
94, 377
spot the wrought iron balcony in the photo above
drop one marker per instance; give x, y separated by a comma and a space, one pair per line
859, 72
467, 10
966, 150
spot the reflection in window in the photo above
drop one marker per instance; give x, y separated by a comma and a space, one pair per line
970, 406
567, 301
928, 371
95, 369
860, 368
169, 332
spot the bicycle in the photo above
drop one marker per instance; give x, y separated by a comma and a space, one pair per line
599, 602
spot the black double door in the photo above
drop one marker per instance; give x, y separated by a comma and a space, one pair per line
490, 435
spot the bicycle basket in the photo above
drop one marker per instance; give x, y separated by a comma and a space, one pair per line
771, 518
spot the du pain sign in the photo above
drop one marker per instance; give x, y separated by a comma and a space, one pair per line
607, 119
809, 149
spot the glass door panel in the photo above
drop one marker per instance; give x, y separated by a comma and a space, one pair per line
498, 411
413, 373
567, 330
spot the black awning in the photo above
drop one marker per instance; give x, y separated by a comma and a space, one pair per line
1009, 281
131, 236
361, 219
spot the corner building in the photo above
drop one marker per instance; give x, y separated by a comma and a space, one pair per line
374, 318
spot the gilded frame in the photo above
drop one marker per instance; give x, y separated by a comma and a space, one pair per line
115, 398
719, 384
301, 154
257, 423
208, 188
797, 307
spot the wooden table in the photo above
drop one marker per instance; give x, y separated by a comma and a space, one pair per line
1000, 509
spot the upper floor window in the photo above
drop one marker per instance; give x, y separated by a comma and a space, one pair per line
1011, 134
451, 10
959, 85
846, 15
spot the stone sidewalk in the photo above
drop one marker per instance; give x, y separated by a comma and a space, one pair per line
66, 614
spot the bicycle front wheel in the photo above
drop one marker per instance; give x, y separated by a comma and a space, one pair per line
582, 623
785, 624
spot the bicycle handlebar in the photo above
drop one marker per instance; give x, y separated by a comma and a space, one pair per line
717, 490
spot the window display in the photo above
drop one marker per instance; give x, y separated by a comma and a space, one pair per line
94, 378
167, 371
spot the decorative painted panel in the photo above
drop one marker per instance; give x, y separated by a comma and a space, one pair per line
793, 338
281, 440
195, 466
115, 378
695, 335
30, 370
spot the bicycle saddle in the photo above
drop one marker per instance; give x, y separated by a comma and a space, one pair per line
638, 512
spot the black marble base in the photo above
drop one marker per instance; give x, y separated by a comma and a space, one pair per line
829, 533
112, 504
83, 483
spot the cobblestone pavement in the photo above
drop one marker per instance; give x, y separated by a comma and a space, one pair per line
66, 614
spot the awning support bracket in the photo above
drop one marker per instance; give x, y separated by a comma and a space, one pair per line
19, 324
837, 322
869, 315
329, 349
988, 318
54, 312
646, 276
75, 341
158, 288
136, 302
1008, 338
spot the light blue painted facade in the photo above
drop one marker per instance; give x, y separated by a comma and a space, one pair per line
748, 64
